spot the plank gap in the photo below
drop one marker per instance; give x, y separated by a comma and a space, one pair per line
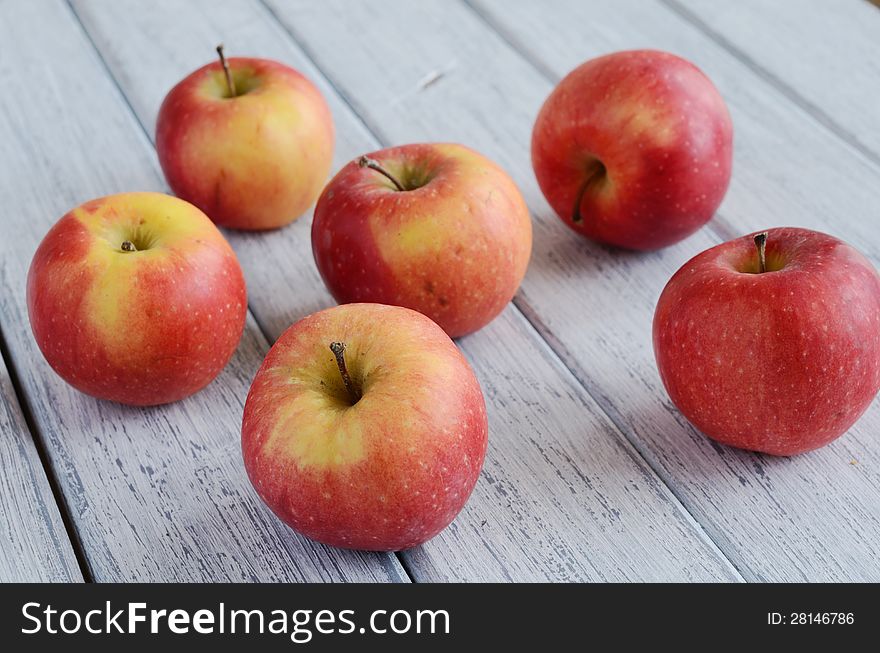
561, 355
374, 131
719, 224
815, 112
639, 452
758, 566
629, 442
39, 445
387, 562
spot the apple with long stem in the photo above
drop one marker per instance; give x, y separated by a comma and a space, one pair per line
436, 227
136, 298
249, 141
771, 342
365, 428
634, 149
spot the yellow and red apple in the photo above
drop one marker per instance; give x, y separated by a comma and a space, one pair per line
437, 228
136, 298
253, 150
634, 149
771, 342
365, 428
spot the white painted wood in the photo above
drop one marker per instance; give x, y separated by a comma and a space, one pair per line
815, 517
159, 493
788, 170
824, 52
562, 497
34, 546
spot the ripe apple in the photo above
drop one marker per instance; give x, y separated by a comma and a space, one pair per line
248, 141
136, 298
365, 428
775, 351
634, 149
434, 227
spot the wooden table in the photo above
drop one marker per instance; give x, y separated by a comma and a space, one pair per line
591, 473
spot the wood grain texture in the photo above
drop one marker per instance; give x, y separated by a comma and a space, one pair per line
788, 170
34, 546
822, 53
815, 517
154, 494
562, 496
818, 513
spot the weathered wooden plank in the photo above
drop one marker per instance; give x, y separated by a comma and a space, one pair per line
158, 493
34, 546
787, 168
823, 54
562, 495
815, 517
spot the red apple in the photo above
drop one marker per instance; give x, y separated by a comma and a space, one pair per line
252, 150
136, 298
782, 360
365, 428
434, 227
634, 149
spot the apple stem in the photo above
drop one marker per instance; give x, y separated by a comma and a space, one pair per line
229, 81
761, 244
595, 172
128, 246
338, 349
367, 162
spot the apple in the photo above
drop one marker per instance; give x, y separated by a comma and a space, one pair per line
136, 298
248, 141
771, 342
634, 149
365, 428
433, 227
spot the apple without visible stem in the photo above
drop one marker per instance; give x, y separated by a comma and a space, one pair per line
251, 149
365, 428
782, 360
434, 227
136, 298
634, 149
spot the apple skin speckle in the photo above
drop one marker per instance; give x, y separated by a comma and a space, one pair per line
662, 134
454, 246
144, 327
780, 362
387, 472
256, 161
